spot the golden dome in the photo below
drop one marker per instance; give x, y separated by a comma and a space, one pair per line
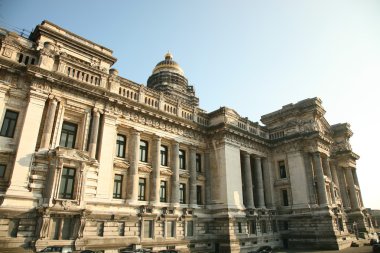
168, 65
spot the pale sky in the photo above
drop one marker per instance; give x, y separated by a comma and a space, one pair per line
252, 56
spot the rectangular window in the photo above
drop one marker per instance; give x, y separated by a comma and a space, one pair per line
182, 159
199, 195
68, 135
9, 124
148, 229
252, 227
121, 228
3, 167
66, 189
282, 169
170, 228
100, 228
67, 227
340, 224
189, 228
13, 227
117, 183
164, 155
274, 226
55, 228
198, 162
143, 151
163, 191
285, 200
239, 228
120, 145
263, 226
182, 193
142, 184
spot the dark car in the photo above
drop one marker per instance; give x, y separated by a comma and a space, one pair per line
58, 249
376, 248
263, 249
373, 241
169, 251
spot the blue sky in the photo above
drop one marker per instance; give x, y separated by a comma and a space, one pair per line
252, 56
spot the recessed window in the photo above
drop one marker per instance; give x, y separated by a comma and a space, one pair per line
182, 193
189, 228
198, 162
66, 190
164, 155
163, 189
148, 229
9, 124
274, 226
199, 195
263, 226
142, 185
3, 167
13, 227
240, 230
117, 184
182, 159
120, 145
100, 228
121, 228
285, 200
143, 151
282, 169
170, 228
252, 227
68, 135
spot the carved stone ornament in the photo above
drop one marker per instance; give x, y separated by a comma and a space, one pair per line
166, 172
121, 164
7, 52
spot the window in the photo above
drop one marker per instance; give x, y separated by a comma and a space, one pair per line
67, 228
199, 195
148, 229
340, 224
182, 159
120, 228
239, 228
263, 226
163, 191
13, 228
164, 155
282, 169
66, 190
189, 228
100, 228
143, 151
142, 183
170, 229
285, 200
274, 226
61, 228
182, 193
198, 163
120, 146
117, 184
2, 170
9, 124
252, 227
68, 135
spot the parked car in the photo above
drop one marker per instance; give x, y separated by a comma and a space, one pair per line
374, 241
169, 251
135, 251
57, 249
263, 249
376, 248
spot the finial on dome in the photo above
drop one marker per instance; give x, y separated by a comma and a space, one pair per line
168, 56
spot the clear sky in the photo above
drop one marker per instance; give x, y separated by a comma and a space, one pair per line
252, 56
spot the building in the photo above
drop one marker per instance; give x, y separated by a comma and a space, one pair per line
91, 159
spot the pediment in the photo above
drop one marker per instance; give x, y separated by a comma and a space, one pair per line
73, 154
145, 168
121, 164
166, 172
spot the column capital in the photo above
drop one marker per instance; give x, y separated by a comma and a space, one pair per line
135, 132
193, 148
245, 153
156, 137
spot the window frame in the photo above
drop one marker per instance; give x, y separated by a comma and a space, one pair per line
68, 132
182, 159
120, 145
148, 234
189, 228
199, 195
142, 189
118, 186
144, 151
170, 230
198, 162
282, 169
285, 197
182, 193
3, 169
8, 127
163, 191
65, 178
164, 155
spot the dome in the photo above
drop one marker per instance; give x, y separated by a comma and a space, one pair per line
168, 65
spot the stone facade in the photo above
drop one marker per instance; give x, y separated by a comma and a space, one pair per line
94, 160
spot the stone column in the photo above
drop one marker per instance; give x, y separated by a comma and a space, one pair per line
27, 144
326, 165
94, 134
175, 176
193, 178
209, 182
310, 178
48, 127
156, 164
320, 180
248, 189
268, 187
343, 188
259, 183
351, 186
356, 180
133, 168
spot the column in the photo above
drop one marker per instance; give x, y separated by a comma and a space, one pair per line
322, 194
133, 168
310, 178
268, 188
27, 143
351, 187
175, 176
248, 189
156, 163
193, 178
208, 177
48, 127
343, 188
326, 165
259, 182
356, 180
94, 134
